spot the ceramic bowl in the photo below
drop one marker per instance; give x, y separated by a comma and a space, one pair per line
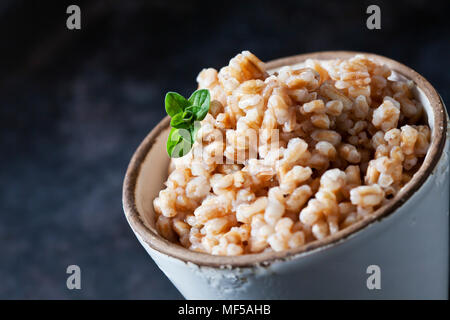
405, 242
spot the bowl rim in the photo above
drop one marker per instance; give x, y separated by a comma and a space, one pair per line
163, 246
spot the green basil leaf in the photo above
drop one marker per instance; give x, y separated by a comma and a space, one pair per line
193, 110
199, 112
178, 122
188, 115
201, 98
194, 129
182, 120
175, 103
179, 142
172, 141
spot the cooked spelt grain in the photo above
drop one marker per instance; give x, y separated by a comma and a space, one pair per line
292, 157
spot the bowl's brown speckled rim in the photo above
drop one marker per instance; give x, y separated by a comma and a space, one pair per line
160, 244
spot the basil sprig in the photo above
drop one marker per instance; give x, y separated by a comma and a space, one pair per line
185, 116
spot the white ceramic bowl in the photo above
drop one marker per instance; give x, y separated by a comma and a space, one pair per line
407, 238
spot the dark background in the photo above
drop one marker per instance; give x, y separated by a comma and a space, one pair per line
75, 105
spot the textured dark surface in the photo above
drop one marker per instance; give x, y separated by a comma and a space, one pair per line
75, 105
